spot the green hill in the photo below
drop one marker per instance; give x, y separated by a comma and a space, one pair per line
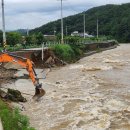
114, 20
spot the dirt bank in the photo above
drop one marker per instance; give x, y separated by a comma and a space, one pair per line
92, 94
6, 75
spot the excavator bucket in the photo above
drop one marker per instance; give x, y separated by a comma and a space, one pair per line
39, 92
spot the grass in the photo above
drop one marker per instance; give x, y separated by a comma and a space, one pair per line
12, 119
68, 53
64, 52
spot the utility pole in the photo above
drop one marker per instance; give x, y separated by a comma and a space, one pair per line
84, 24
3, 25
54, 31
62, 31
66, 30
27, 32
97, 29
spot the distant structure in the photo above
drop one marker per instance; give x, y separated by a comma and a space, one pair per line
76, 33
27, 32
50, 37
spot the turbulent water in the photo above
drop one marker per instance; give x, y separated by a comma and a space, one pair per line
92, 94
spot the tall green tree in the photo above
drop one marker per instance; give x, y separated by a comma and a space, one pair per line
40, 38
33, 39
28, 40
14, 38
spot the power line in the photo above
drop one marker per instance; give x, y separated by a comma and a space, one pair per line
27, 32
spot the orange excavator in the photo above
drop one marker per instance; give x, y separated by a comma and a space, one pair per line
28, 64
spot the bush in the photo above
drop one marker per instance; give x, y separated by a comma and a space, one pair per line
78, 50
12, 119
64, 52
69, 53
72, 40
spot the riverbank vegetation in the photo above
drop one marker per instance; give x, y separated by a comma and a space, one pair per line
69, 52
12, 119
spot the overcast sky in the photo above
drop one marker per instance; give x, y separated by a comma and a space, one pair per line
34, 13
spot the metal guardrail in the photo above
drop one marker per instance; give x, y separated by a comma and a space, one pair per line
48, 44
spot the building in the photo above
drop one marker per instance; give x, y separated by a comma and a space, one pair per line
76, 33
50, 37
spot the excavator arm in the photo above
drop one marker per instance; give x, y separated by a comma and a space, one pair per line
25, 63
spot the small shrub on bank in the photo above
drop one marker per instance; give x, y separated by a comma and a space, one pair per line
78, 50
69, 53
71, 39
64, 52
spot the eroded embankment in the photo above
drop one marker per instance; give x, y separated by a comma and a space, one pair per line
92, 94
60, 54
6, 75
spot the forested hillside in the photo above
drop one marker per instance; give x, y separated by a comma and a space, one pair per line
114, 20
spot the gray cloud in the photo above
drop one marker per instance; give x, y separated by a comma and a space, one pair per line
34, 13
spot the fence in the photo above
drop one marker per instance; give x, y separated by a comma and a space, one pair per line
52, 43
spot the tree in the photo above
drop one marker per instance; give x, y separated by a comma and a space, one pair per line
28, 40
40, 38
14, 38
33, 39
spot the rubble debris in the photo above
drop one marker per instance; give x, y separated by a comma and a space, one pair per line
11, 65
7, 76
15, 95
49, 60
2, 94
12, 95
58, 82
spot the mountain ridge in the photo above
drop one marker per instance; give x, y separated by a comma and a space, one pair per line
113, 21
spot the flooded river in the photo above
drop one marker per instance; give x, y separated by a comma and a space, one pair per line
92, 94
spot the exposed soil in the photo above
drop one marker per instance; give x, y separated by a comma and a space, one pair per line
6, 76
49, 59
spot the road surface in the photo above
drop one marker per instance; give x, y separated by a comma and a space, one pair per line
35, 49
92, 94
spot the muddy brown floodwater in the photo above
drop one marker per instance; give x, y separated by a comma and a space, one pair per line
92, 94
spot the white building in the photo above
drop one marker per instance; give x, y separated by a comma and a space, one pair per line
76, 33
